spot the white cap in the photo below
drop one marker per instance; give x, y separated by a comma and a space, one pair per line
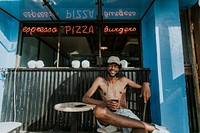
114, 59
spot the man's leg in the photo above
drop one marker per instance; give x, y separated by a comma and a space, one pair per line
105, 116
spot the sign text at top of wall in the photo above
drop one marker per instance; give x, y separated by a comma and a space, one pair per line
81, 14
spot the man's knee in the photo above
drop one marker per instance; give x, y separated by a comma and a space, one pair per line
100, 112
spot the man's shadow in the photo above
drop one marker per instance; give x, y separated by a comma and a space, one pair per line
71, 89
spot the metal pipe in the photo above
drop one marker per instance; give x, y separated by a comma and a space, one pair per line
54, 13
51, 9
100, 19
58, 52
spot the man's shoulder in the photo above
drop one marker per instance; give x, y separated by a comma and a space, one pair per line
100, 78
123, 78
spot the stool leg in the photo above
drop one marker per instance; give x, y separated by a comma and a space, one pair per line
74, 123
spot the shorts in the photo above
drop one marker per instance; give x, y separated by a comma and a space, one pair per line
124, 112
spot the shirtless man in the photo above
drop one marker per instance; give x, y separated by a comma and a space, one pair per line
110, 114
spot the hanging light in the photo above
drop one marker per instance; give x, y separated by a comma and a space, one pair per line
103, 47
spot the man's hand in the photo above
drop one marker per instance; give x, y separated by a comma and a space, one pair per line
112, 105
145, 92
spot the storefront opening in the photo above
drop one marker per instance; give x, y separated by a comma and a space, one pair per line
80, 41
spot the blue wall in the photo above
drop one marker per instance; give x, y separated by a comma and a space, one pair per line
8, 44
150, 59
163, 54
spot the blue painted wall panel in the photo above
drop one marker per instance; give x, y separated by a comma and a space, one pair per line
150, 60
9, 28
163, 54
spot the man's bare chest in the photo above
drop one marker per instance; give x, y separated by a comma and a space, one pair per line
113, 90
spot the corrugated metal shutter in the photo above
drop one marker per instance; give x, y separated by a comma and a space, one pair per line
38, 90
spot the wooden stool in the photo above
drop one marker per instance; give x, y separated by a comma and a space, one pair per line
9, 127
74, 107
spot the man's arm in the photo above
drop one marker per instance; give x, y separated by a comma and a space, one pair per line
145, 89
87, 98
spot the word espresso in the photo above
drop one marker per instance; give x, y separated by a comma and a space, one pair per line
39, 30
35, 14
